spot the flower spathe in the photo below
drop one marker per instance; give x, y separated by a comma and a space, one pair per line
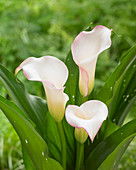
85, 50
53, 73
89, 116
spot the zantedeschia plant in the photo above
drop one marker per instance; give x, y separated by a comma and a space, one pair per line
91, 131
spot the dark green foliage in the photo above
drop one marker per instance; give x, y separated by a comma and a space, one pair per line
31, 117
35, 146
37, 28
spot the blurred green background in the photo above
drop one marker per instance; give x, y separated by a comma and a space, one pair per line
48, 27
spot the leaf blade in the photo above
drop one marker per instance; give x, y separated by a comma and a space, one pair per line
24, 101
120, 87
30, 138
107, 146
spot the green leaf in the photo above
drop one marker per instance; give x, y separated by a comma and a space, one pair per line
112, 160
34, 107
131, 51
107, 146
119, 90
71, 90
27, 160
124, 94
36, 110
107, 128
72, 82
52, 138
35, 146
110, 83
40, 110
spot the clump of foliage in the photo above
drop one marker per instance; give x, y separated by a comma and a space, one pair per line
37, 28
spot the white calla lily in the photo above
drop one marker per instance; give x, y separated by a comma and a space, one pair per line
89, 116
85, 50
53, 73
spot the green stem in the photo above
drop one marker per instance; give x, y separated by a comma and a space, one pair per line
80, 156
63, 144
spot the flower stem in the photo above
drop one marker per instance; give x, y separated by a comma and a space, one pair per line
80, 156
63, 144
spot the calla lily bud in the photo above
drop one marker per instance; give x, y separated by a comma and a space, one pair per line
85, 50
81, 135
89, 116
53, 73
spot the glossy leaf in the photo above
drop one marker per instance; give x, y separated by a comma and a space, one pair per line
31, 140
71, 90
107, 146
27, 160
124, 94
110, 83
52, 138
33, 107
107, 128
113, 159
119, 90
72, 82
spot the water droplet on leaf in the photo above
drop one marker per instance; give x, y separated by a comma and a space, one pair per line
114, 120
73, 98
114, 163
125, 99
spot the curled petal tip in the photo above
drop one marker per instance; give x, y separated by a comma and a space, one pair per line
46, 68
17, 70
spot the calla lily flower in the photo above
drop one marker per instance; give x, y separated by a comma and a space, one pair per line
89, 116
53, 73
85, 50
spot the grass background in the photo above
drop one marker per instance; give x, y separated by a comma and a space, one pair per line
43, 27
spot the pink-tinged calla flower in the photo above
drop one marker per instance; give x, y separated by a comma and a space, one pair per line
85, 50
53, 73
89, 116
